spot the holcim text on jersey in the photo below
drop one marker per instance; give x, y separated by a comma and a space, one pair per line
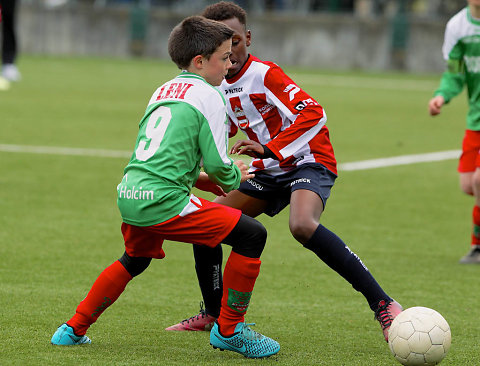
134, 194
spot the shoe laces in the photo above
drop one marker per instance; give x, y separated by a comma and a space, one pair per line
202, 314
382, 314
250, 333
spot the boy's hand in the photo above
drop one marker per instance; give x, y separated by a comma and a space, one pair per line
248, 147
243, 170
205, 184
435, 105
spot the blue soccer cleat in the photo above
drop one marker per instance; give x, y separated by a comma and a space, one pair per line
244, 341
64, 336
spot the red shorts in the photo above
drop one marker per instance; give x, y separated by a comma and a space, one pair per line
201, 222
470, 158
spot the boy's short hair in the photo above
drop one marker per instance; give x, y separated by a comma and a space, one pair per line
196, 35
224, 10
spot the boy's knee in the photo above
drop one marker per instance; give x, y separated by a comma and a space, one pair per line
467, 187
255, 243
134, 265
260, 232
302, 231
475, 186
248, 237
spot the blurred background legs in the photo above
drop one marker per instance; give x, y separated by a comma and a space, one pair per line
9, 40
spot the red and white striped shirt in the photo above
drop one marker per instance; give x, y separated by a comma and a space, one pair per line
271, 109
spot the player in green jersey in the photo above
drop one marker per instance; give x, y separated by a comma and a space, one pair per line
461, 51
183, 129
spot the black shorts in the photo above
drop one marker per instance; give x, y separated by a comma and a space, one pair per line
278, 189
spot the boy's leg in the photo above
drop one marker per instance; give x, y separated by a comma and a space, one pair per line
305, 210
468, 167
247, 239
106, 289
241, 271
208, 267
206, 223
9, 44
473, 181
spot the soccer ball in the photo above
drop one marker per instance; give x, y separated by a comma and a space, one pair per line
419, 336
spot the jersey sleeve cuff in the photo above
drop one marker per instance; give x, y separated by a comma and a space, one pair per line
271, 152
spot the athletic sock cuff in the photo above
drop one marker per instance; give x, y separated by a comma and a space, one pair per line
249, 267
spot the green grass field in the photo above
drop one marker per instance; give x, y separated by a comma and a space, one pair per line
60, 226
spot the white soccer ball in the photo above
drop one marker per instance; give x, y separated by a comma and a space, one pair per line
419, 336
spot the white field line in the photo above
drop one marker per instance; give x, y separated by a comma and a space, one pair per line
365, 82
65, 151
400, 160
357, 165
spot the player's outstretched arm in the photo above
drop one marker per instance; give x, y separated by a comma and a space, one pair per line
245, 175
205, 184
435, 105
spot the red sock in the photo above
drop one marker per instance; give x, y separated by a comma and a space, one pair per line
238, 281
476, 226
105, 290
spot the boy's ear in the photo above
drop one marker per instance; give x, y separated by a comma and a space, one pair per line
248, 36
197, 62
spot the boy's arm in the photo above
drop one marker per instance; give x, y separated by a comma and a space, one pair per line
213, 145
307, 115
453, 78
205, 184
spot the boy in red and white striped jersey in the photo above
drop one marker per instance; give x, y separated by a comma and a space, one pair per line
294, 164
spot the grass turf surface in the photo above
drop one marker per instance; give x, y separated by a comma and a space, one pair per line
61, 227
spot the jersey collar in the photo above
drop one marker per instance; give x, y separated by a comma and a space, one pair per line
239, 74
186, 74
471, 19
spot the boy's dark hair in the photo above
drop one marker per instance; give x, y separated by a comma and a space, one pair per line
224, 10
196, 35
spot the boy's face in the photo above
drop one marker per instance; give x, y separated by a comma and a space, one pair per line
215, 69
474, 2
240, 42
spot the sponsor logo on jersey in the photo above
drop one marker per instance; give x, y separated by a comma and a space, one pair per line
265, 109
472, 39
472, 63
234, 90
291, 89
134, 193
302, 104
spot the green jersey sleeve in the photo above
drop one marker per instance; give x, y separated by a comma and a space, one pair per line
213, 142
453, 79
